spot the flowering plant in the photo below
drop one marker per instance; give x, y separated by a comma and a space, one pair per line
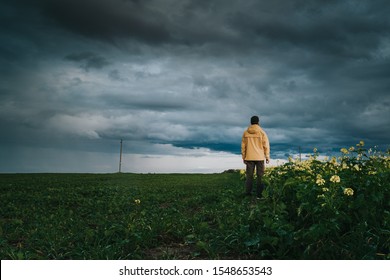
333, 203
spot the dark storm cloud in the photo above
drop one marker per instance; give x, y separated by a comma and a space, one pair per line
191, 73
108, 20
335, 28
88, 60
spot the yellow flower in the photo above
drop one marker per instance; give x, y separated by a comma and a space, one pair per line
348, 191
320, 182
333, 160
356, 167
315, 150
361, 143
325, 189
344, 151
137, 201
335, 179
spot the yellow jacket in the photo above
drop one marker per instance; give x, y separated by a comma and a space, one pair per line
255, 144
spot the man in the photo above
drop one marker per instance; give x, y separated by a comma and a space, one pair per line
255, 150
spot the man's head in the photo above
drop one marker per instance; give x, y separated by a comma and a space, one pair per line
255, 120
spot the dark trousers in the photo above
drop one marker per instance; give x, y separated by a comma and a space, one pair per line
250, 168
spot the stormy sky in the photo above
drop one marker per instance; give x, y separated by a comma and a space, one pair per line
178, 81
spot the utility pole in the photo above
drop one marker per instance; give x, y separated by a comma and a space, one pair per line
300, 154
120, 158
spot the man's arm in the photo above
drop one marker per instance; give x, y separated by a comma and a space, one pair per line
266, 148
243, 149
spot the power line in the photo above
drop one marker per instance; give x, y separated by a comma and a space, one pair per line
120, 158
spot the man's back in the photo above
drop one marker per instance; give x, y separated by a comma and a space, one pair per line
255, 144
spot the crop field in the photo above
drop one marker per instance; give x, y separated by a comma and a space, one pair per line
315, 209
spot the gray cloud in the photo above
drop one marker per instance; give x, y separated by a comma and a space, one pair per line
83, 74
108, 20
88, 60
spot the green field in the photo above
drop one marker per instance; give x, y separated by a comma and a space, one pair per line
307, 213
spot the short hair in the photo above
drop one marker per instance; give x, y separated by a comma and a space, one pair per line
255, 120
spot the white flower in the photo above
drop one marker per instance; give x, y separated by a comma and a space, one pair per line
348, 191
335, 179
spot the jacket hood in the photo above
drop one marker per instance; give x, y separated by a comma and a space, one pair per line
253, 129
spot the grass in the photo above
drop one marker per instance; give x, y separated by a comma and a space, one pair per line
114, 216
338, 209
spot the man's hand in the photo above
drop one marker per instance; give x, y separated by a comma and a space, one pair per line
267, 161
